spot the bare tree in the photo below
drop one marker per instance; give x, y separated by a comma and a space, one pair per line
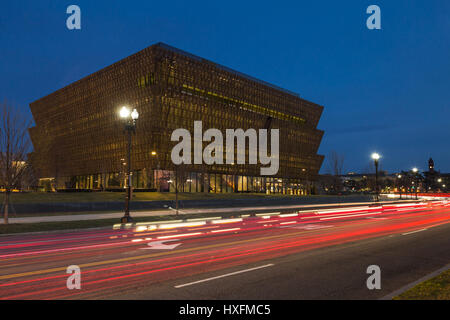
14, 146
336, 163
29, 179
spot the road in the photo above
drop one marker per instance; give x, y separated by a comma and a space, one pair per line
260, 207
315, 254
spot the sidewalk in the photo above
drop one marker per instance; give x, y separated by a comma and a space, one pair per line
165, 212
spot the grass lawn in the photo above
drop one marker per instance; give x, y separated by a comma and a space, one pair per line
47, 197
437, 288
66, 225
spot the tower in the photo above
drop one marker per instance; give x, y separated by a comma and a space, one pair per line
431, 165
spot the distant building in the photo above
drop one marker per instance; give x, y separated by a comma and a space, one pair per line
435, 181
431, 180
430, 165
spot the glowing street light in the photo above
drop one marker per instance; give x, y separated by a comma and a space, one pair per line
376, 157
130, 119
124, 112
399, 185
415, 170
134, 115
154, 167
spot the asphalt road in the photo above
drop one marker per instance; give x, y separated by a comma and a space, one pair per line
311, 255
262, 206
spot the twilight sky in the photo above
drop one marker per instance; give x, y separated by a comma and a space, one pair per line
383, 90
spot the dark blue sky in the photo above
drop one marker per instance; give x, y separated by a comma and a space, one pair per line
383, 90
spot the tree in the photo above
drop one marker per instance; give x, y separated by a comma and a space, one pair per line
336, 163
14, 147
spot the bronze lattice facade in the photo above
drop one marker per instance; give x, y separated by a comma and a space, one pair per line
79, 140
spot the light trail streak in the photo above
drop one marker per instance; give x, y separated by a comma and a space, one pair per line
345, 237
180, 235
106, 245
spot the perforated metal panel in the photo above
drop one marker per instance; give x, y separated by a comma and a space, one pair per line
78, 130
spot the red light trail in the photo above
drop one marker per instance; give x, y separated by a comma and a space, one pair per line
112, 261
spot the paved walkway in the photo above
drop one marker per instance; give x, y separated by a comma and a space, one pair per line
117, 215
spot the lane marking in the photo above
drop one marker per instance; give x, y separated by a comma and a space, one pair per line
160, 245
140, 257
406, 233
224, 275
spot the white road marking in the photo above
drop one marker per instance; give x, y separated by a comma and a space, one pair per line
224, 275
406, 233
159, 245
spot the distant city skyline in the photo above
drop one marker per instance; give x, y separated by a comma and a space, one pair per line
383, 91
369, 169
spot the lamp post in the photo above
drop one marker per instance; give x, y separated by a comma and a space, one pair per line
399, 186
130, 119
376, 157
154, 168
415, 170
439, 180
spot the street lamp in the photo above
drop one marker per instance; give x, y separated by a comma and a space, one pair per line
376, 157
130, 119
399, 186
415, 170
154, 169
